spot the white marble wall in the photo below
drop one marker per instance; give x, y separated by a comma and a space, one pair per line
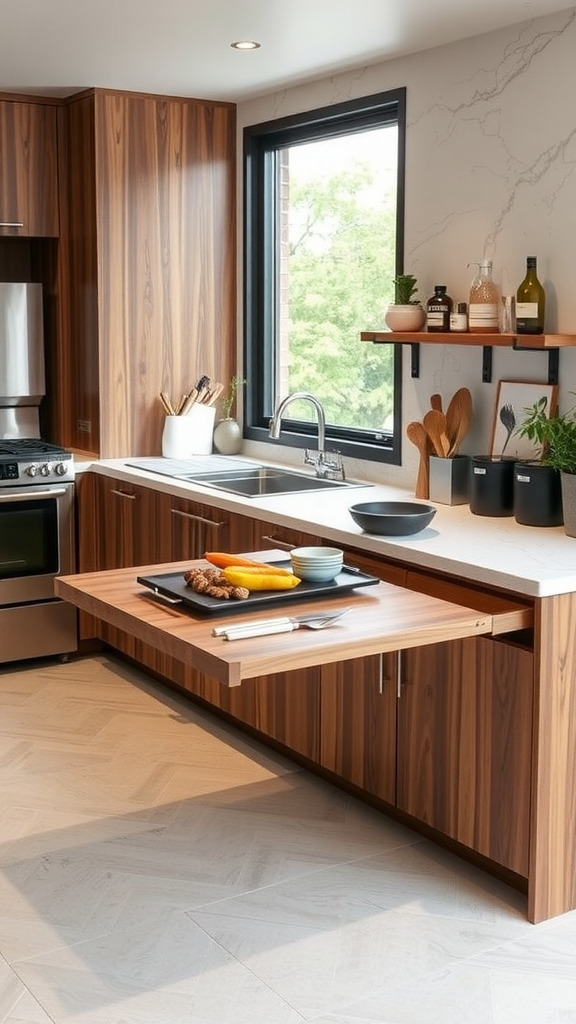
490, 173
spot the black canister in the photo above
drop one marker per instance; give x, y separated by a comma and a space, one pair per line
537, 495
491, 486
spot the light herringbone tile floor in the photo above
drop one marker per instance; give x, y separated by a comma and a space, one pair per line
158, 867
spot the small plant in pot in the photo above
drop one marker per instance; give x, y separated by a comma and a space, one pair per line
556, 437
227, 432
406, 312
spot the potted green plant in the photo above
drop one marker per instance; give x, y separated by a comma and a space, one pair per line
406, 313
556, 437
227, 432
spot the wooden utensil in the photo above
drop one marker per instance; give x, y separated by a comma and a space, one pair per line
436, 402
416, 433
458, 419
435, 427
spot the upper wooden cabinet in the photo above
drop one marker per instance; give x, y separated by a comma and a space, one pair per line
147, 262
28, 170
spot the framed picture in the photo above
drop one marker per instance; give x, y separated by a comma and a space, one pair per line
512, 401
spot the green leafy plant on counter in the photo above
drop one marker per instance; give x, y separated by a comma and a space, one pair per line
405, 289
228, 401
556, 435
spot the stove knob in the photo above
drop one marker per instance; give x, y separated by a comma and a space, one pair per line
31, 470
60, 469
45, 469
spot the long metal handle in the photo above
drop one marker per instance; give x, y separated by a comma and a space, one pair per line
197, 519
23, 495
123, 494
284, 545
11, 224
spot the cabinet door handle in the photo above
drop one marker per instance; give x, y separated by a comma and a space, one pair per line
11, 224
124, 494
284, 544
382, 677
399, 675
197, 519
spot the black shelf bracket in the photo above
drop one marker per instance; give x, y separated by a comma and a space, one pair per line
553, 361
486, 364
414, 359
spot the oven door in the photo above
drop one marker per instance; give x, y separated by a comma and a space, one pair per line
36, 541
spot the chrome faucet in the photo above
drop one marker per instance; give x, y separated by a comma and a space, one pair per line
328, 467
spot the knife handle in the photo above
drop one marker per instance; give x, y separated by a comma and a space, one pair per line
231, 627
262, 629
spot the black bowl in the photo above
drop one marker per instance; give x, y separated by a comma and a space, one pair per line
392, 518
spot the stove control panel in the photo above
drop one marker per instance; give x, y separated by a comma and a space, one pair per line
48, 470
29, 473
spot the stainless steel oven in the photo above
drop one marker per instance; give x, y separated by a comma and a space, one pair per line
37, 543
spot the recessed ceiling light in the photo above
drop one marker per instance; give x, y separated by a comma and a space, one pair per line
245, 44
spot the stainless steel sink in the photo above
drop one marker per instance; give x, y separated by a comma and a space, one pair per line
265, 480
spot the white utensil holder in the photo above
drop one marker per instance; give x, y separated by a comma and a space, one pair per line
188, 435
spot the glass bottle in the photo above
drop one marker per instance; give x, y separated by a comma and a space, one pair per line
484, 304
530, 302
438, 310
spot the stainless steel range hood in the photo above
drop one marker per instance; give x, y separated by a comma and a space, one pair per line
22, 372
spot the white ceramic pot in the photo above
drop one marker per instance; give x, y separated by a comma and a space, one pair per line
227, 437
405, 318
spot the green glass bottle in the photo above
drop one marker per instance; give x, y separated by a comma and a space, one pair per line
530, 302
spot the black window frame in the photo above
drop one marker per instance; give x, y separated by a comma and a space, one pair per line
261, 143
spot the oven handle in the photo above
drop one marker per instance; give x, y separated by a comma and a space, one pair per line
48, 492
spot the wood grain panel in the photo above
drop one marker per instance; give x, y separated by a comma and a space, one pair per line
552, 883
166, 257
28, 169
504, 718
150, 262
465, 745
358, 734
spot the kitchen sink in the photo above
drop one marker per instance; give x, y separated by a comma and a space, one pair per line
265, 481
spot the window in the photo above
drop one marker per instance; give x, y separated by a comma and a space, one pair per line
324, 219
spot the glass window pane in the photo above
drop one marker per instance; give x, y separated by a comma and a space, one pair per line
337, 241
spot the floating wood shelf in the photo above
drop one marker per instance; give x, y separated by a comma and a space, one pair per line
550, 343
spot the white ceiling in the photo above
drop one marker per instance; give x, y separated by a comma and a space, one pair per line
182, 47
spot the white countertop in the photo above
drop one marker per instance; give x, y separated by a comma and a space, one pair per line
538, 562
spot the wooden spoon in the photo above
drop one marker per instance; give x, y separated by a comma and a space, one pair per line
435, 427
458, 419
416, 433
436, 402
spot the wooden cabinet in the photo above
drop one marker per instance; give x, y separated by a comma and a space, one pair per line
464, 744
273, 535
147, 263
442, 732
186, 529
28, 169
358, 723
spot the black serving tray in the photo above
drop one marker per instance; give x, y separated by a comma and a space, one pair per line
171, 585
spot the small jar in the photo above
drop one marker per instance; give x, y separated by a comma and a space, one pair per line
459, 317
438, 310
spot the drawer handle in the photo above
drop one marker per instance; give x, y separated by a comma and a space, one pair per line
197, 519
123, 494
11, 224
285, 545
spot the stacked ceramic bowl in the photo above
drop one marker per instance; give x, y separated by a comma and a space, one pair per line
316, 565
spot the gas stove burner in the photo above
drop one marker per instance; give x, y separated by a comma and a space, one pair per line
30, 448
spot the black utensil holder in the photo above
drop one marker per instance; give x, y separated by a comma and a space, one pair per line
491, 486
537, 495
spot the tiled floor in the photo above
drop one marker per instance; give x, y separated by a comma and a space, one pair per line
157, 867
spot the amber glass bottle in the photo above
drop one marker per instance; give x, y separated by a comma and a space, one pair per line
438, 309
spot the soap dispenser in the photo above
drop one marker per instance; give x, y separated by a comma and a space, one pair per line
484, 304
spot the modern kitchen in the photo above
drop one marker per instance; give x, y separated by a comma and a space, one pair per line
433, 723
